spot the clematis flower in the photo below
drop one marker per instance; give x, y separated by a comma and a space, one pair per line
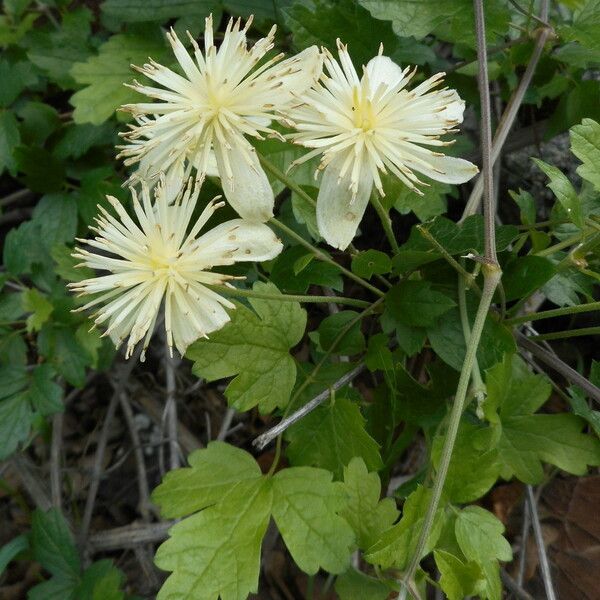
158, 256
205, 115
370, 125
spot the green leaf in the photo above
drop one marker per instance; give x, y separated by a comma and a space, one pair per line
431, 204
330, 436
564, 192
458, 579
15, 77
65, 264
15, 421
523, 275
212, 473
12, 549
581, 409
352, 342
315, 272
101, 581
57, 215
585, 145
254, 346
474, 467
396, 546
452, 21
371, 262
38, 122
60, 346
320, 22
52, 545
479, 535
139, 11
55, 51
9, 140
528, 439
355, 585
104, 75
42, 171
379, 357
217, 551
77, 140
414, 303
44, 394
306, 507
368, 516
39, 306
448, 340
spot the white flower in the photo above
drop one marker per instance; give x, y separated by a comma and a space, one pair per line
157, 257
370, 125
206, 113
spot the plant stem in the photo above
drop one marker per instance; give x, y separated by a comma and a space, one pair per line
489, 287
561, 335
233, 291
322, 256
468, 278
491, 278
560, 245
386, 222
289, 183
556, 312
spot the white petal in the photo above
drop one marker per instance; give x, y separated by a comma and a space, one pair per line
338, 214
446, 169
382, 69
248, 190
212, 170
237, 240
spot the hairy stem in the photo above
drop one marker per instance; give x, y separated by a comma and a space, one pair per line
233, 291
323, 257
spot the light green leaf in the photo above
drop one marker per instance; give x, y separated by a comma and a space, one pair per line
564, 192
585, 145
414, 303
101, 581
474, 467
39, 306
104, 75
306, 507
212, 473
330, 436
216, 552
396, 545
365, 512
479, 535
526, 439
581, 409
254, 346
458, 579
355, 585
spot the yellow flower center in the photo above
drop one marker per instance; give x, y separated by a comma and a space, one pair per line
364, 116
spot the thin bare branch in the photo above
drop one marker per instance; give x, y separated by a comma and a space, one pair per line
226, 424
55, 460
129, 536
265, 438
24, 469
514, 587
170, 414
539, 539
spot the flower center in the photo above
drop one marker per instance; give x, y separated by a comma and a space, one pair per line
364, 116
162, 259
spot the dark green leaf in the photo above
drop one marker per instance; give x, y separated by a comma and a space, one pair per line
44, 394
330, 436
9, 140
60, 346
332, 327
15, 421
135, 11
355, 585
414, 303
524, 274
371, 262
43, 172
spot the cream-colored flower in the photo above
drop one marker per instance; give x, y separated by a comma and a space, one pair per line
157, 258
205, 114
364, 126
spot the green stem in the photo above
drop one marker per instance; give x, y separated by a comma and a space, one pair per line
561, 335
322, 256
560, 246
289, 183
556, 312
386, 222
468, 278
492, 275
232, 291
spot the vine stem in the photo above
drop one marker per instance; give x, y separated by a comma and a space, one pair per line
491, 278
555, 312
233, 291
289, 183
323, 257
386, 222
